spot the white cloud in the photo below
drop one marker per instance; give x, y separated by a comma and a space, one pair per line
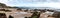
35, 4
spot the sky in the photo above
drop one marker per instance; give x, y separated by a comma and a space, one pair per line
32, 3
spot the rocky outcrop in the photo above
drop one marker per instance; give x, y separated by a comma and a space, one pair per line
2, 5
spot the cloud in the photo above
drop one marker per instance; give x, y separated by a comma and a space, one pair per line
32, 3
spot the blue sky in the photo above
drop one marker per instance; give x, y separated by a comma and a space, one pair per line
32, 3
